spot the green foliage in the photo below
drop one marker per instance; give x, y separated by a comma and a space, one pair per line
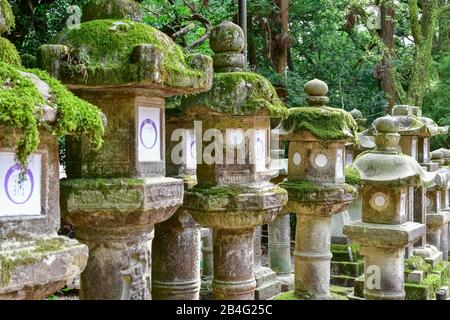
352, 175
19, 98
171, 16
37, 23
437, 103
8, 53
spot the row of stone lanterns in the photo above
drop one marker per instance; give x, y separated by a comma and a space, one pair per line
161, 175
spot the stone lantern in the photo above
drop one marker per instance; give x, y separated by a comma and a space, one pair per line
385, 231
34, 261
177, 243
437, 218
233, 195
317, 137
415, 134
114, 196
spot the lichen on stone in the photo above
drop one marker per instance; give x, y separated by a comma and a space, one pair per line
239, 93
20, 103
107, 9
104, 52
325, 123
8, 53
22, 257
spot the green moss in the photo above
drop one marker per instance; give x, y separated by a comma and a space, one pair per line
352, 176
290, 295
443, 269
340, 252
101, 52
103, 185
8, 53
19, 99
5, 10
117, 9
302, 188
229, 196
239, 93
416, 263
323, 122
27, 257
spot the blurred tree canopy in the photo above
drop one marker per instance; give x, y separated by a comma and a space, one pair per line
326, 39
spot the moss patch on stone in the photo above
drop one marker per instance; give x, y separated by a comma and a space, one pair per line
8, 53
28, 256
107, 9
20, 101
352, 176
341, 252
306, 191
239, 93
8, 16
336, 294
325, 123
101, 184
101, 52
416, 263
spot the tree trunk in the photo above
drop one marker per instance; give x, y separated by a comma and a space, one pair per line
252, 60
444, 27
423, 33
281, 42
387, 35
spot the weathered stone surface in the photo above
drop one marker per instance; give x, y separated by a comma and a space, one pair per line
385, 230
34, 261
267, 284
106, 9
384, 235
114, 196
176, 256
316, 184
36, 268
233, 264
119, 265
234, 195
227, 37
122, 54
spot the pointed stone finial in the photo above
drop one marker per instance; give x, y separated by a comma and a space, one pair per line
112, 9
387, 138
317, 91
227, 41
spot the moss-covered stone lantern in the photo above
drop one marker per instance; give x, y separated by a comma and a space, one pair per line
114, 196
35, 109
317, 137
233, 194
385, 231
177, 244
